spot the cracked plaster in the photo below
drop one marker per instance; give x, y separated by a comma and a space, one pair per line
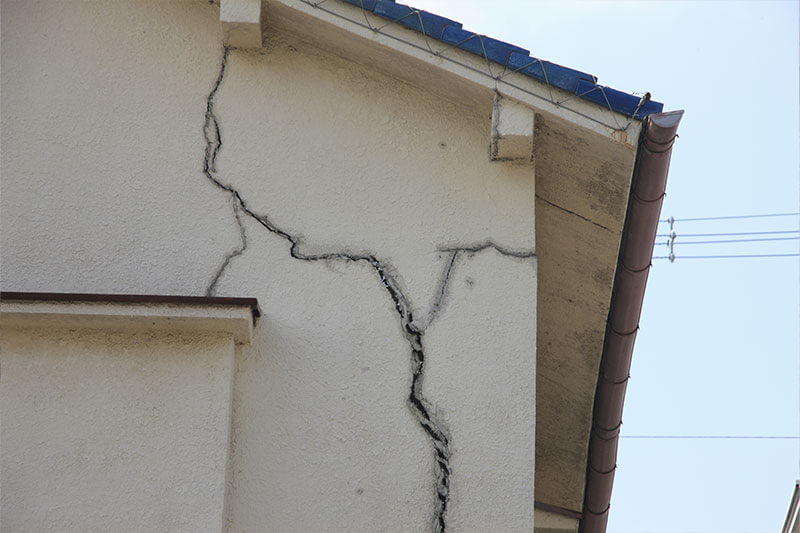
396, 186
413, 330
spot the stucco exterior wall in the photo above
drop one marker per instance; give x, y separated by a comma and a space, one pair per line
361, 211
113, 431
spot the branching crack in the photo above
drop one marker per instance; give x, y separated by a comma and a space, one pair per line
486, 245
412, 332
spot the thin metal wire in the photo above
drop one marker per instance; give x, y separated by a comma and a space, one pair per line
488, 63
576, 95
741, 437
449, 46
544, 72
366, 19
677, 242
424, 33
727, 234
731, 217
534, 60
724, 256
489, 74
393, 21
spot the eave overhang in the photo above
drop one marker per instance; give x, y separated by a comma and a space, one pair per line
386, 39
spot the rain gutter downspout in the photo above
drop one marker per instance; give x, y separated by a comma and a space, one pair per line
648, 186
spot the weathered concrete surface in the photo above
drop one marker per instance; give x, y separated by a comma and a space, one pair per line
581, 197
548, 522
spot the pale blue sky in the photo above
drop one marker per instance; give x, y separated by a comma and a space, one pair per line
718, 350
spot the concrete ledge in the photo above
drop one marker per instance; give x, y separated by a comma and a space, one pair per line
131, 313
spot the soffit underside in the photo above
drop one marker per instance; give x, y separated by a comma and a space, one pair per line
582, 186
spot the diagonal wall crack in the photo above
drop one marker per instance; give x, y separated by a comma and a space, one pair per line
212, 286
412, 332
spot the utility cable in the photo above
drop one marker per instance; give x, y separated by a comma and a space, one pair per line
731, 217
722, 256
677, 243
732, 437
729, 234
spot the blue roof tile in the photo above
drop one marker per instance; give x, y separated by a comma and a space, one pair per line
556, 75
369, 5
421, 21
492, 49
515, 58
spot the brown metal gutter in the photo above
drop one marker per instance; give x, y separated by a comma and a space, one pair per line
648, 185
65, 297
790, 524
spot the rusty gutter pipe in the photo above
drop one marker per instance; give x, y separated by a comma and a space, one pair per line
648, 187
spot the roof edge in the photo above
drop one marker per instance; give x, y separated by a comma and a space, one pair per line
511, 57
373, 35
648, 189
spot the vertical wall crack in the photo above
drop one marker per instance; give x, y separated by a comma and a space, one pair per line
412, 332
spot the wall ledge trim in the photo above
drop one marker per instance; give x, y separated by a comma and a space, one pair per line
131, 313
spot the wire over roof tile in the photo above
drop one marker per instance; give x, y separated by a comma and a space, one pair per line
368, 5
515, 58
551, 73
492, 49
421, 21
619, 101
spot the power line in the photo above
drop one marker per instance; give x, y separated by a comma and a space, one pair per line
737, 437
728, 217
732, 240
723, 256
729, 234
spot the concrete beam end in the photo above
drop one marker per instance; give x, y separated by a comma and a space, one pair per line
512, 131
241, 23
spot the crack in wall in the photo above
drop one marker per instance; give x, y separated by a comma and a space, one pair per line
441, 290
212, 286
453, 254
564, 209
412, 332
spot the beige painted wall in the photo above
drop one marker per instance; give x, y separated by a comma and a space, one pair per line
103, 191
113, 431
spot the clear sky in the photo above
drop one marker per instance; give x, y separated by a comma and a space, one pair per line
718, 350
